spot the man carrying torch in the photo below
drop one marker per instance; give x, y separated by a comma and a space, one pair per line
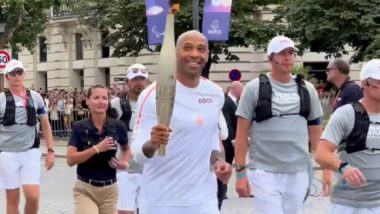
182, 179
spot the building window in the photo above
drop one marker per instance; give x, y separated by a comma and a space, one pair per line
79, 46
14, 53
107, 77
105, 49
43, 49
81, 76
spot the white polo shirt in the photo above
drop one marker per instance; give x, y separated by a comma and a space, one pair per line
183, 177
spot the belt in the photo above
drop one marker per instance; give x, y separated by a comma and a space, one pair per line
97, 183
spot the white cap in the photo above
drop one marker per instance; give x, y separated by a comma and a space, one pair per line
371, 70
12, 65
279, 43
136, 70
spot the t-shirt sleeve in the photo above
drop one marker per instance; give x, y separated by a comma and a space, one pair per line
122, 132
339, 125
74, 136
115, 103
316, 110
247, 104
145, 120
40, 104
223, 129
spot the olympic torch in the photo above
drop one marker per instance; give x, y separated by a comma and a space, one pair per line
166, 80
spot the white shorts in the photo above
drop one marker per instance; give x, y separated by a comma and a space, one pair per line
342, 209
205, 208
280, 193
20, 168
129, 190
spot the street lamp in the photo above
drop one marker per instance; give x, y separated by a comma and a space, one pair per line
2, 27
196, 15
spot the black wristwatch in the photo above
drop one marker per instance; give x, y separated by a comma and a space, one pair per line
341, 166
240, 168
50, 151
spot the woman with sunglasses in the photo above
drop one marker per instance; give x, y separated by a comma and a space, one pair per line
92, 146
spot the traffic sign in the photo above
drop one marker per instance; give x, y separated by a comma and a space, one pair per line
4, 58
234, 75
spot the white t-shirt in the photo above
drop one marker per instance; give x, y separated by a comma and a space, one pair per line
183, 177
115, 103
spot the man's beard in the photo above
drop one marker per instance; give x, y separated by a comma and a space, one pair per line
138, 90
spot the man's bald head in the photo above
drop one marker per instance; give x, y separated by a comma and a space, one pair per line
237, 88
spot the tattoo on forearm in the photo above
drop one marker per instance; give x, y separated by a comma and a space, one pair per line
216, 155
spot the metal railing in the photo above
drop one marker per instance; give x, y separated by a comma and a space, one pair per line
62, 11
61, 122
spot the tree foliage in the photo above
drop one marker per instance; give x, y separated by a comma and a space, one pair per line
24, 19
125, 22
331, 26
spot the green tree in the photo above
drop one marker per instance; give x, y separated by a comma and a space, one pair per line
330, 26
24, 19
125, 22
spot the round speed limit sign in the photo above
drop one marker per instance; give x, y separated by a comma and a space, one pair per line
4, 58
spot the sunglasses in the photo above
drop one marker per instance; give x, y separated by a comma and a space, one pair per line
136, 70
330, 69
16, 72
372, 85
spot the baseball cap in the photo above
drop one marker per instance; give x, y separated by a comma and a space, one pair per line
279, 43
12, 65
371, 70
136, 70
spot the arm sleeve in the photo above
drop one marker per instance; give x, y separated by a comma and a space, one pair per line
247, 104
145, 120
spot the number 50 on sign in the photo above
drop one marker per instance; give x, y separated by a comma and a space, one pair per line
4, 58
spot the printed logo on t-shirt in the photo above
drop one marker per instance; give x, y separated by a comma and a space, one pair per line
374, 132
285, 98
205, 100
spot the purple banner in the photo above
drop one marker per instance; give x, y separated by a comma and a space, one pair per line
156, 12
216, 19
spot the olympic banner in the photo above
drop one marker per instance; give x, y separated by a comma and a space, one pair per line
156, 12
216, 19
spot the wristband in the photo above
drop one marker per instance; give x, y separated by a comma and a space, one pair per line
96, 149
343, 167
240, 175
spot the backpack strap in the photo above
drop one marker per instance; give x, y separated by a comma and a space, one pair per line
304, 96
10, 109
30, 110
356, 140
127, 111
263, 110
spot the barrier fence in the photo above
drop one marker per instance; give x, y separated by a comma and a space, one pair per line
62, 121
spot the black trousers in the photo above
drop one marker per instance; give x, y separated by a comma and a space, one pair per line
222, 191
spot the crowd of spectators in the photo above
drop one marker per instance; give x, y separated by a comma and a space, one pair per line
68, 106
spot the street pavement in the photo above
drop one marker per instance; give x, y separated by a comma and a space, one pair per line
57, 197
